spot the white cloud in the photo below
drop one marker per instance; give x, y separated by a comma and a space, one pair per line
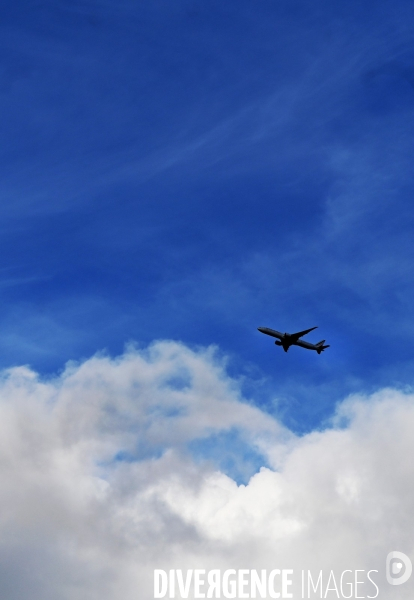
75, 523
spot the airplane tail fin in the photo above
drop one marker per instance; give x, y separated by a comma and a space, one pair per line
320, 346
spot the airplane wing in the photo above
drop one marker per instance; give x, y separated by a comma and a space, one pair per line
298, 335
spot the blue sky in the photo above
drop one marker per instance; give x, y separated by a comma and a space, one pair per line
193, 170
176, 174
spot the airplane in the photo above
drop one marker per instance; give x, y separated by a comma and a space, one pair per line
286, 340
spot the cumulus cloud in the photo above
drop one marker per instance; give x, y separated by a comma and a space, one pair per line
99, 486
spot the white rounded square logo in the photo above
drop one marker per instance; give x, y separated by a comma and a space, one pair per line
398, 568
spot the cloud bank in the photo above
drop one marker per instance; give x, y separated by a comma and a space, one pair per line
100, 484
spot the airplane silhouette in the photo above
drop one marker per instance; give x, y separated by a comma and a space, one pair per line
286, 340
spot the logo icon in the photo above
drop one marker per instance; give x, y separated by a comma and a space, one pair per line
398, 568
